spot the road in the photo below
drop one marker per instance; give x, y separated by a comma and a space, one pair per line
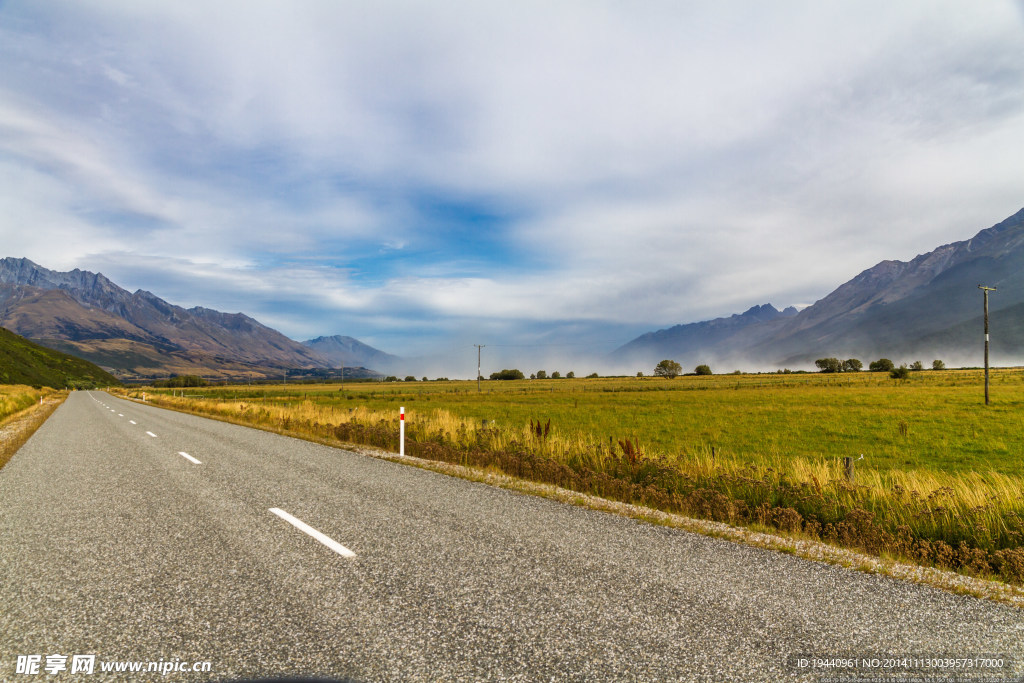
114, 543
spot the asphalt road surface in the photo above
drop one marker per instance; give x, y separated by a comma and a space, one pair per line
134, 534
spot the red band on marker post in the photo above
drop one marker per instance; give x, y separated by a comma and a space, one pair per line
401, 431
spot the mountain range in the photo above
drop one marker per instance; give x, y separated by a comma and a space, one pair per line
695, 338
139, 335
929, 307
926, 308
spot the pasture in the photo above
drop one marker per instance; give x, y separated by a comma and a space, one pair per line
936, 420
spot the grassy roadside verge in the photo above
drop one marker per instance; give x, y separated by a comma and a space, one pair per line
967, 521
22, 411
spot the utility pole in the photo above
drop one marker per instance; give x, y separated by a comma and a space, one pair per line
986, 290
478, 347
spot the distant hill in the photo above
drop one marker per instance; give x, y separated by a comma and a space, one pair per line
693, 339
929, 307
138, 334
23, 362
348, 352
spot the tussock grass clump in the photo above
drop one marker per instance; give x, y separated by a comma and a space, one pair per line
957, 517
21, 414
15, 398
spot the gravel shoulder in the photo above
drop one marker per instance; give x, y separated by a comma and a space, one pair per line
17, 429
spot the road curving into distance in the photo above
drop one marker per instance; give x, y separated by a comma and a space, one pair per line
136, 534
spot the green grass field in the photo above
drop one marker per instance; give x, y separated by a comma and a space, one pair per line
935, 420
940, 480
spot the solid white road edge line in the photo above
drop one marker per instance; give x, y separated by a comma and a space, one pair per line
189, 457
305, 528
151, 434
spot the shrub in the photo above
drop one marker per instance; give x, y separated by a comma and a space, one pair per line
902, 372
938, 365
702, 370
508, 374
881, 365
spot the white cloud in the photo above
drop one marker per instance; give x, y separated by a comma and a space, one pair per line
660, 162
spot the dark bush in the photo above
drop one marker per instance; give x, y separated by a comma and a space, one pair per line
881, 365
507, 374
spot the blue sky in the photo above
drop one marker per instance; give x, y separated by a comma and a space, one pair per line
550, 179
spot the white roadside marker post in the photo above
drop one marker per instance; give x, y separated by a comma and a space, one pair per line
401, 431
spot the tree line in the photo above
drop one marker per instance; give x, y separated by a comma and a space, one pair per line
540, 374
670, 368
880, 365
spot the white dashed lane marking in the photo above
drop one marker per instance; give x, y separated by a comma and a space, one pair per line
306, 529
294, 521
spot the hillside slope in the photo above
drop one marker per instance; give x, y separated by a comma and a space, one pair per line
23, 362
